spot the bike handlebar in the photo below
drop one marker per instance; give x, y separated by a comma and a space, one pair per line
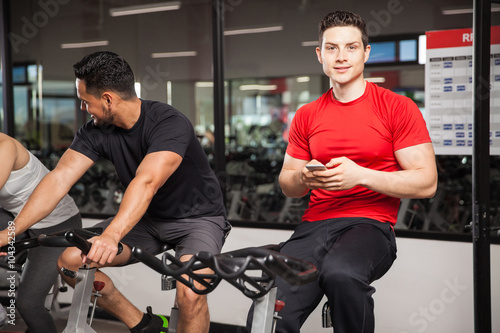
21, 245
78, 238
233, 267
57, 239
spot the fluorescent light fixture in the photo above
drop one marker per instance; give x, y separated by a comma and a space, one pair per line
145, 9
375, 79
84, 44
174, 54
169, 92
137, 87
302, 79
253, 30
422, 49
458, 11
258, 87
310, 43
204, 84
207, 84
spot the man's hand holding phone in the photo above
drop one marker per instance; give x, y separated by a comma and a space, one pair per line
315, 167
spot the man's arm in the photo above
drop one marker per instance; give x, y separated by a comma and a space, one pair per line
52, 188
151, 174
292, 177
416, 179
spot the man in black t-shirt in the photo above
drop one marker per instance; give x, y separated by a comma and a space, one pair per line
172, 195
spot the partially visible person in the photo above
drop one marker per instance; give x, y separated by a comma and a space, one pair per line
20, 173
375, 149
3, 316
172, 195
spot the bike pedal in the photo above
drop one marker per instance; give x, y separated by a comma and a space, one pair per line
168, 282
68, 273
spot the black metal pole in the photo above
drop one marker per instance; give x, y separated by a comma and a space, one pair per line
218, 74
481, 166
7, 84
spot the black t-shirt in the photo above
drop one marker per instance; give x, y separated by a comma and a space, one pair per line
191, 191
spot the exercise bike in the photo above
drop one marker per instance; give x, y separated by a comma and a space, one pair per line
84, 277
235, 267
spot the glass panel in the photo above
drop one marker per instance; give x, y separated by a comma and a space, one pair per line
450, 210
408, 50
269, 75
166, 51
382, 52
261, 112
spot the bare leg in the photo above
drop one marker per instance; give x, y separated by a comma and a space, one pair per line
193, 308
112, 300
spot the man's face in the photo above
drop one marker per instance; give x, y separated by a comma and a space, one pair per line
96, 107
342, 55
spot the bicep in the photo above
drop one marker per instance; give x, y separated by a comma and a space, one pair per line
292, 164
157, 167
71, 167
416, 157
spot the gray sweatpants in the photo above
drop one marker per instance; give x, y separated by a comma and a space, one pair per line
39, 275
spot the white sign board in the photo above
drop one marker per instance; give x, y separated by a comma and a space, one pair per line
449, 88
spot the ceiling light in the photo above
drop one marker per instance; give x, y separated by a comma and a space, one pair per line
375, 79
302, 79
144, 9
253, 30
422, 49
207, 84
309, 43
258, 87
137, 87
84, 44
204, 84
174, 54
457, 11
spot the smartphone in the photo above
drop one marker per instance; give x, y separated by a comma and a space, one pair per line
315, 167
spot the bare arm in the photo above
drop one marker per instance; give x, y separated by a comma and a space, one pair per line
417, 179
292, 175
8, 154
152, 173
52, 188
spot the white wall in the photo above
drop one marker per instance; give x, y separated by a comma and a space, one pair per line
428, 289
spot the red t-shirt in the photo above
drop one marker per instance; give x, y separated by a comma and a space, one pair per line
368, 131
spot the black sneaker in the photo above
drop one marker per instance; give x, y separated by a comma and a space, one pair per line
157, 324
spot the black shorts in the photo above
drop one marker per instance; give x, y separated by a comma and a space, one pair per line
186, 236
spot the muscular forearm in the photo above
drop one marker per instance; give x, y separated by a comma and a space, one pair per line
291, 183
41, 203
401, 184
134, 205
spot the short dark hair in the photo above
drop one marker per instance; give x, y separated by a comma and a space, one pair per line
343, 18
106, 70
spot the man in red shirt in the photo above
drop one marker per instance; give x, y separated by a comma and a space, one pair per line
376, 149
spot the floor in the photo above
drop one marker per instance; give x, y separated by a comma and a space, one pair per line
101, 324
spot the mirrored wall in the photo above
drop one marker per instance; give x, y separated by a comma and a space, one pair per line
270, 70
